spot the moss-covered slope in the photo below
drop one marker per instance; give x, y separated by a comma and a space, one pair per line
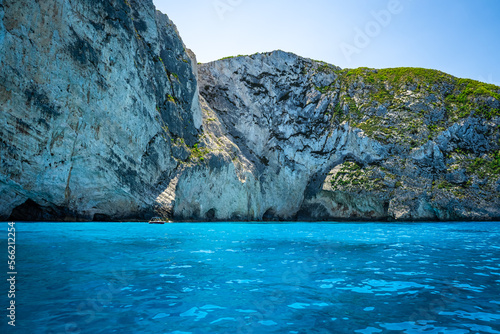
435, 136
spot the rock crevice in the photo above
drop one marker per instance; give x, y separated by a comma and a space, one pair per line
106, 115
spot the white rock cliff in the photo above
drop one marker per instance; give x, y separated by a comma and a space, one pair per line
91, 94
105, 115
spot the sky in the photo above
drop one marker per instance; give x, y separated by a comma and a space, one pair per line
459, 37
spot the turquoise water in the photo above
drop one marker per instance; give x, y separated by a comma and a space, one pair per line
256, 278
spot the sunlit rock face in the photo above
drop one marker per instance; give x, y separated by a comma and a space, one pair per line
91, 94
327, 143
272, 111
105, 115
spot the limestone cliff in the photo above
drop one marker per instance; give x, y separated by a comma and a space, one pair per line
91, 95
105, 116
327, 143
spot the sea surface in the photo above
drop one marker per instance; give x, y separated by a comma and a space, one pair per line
255, 278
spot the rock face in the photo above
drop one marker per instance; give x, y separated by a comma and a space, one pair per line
277, 118
91, 94
326, 143
105, 116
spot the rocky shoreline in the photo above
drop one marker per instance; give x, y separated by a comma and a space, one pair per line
106, 116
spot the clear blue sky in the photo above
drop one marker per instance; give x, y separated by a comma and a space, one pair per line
460, 37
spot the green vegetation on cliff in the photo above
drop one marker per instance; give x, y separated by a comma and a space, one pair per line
397, 143
410, 111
